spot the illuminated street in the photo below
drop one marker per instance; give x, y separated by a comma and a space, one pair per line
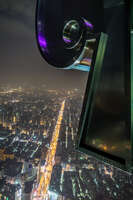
46, 176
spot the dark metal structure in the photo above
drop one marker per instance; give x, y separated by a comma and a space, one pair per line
106, 131
62, 28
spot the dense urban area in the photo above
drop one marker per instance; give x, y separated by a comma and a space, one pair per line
38, 156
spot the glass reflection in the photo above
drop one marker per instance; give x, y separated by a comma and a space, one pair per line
108, 131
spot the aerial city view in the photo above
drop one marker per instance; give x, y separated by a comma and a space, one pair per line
38, 159
40, 109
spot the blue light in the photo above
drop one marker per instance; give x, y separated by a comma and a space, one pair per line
84, 68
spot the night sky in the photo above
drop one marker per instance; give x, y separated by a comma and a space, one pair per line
20, 58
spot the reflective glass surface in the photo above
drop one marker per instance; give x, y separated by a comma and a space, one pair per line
107, 130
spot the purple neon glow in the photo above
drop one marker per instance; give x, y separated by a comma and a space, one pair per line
42, 41
88, 24
66, 40
88, 60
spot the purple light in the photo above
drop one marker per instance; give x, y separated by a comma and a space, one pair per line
66, 40
88, 24
42, 41
87, 60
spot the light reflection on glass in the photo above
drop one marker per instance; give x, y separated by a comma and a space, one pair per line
88, 24
66, 40
42, 41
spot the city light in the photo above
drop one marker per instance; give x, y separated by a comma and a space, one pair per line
46, 176
40, 130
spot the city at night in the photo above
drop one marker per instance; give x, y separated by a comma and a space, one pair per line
40, 111
37, 150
